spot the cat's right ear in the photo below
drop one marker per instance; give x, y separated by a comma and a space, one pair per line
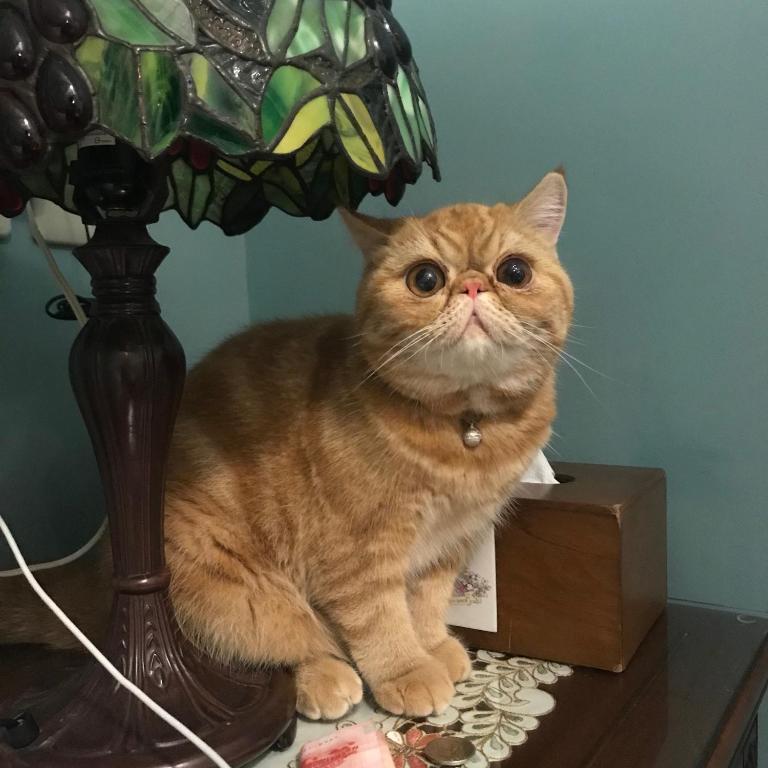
370, 234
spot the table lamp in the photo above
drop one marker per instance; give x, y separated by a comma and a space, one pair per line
117, 110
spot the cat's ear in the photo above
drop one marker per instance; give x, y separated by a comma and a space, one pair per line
543, 208
370, 234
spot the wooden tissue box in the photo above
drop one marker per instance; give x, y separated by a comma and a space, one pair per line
581, 567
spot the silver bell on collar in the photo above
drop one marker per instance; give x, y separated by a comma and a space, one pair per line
472, 435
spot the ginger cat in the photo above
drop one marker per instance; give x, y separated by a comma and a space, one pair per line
321, 498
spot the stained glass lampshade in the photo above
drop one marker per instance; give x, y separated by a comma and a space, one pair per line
303, 105
220, 109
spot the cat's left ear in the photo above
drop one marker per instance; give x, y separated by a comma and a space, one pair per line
370, 234
543, 208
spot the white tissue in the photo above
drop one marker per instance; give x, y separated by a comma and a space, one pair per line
474, 602
540, 471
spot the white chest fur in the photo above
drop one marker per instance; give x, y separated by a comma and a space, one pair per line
446, 524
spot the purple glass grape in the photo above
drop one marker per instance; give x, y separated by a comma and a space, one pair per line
402, 43
21, 142
384, 47
17, 51
63, 96
61, 21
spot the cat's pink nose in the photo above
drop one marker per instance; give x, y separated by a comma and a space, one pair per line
473, 287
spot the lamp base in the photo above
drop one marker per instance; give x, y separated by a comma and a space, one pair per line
88, 722
127, 371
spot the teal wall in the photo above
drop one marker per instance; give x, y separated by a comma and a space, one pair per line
658, 110
48, 481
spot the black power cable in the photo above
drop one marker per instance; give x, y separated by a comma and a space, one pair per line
58, 308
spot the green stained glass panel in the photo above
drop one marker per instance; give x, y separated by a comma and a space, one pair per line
357, 48
423, 113
341, 177
402, 123
183, 179
365, 123
174, 16
277, 196
161, 83
280, 22
113, 72
313, 116
426, 124
234, 170
260, 166
90, 54
407, 96
227, 139
218, 96
123, 20
353, 143
286, 179
336, 12
200, 196
222, 187
170, 200
322, 194
310, 34
286, 88
303, 155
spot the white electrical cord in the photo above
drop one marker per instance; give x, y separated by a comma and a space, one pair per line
84, 550
208, 751
82, 319
69, 294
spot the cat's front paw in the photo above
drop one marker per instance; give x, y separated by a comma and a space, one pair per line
327, 688
425, 690
455, 658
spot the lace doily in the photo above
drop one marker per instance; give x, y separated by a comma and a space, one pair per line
496, 708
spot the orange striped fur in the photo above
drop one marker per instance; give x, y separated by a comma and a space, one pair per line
320, 498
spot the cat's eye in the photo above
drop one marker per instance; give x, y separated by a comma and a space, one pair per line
425, 279
515, 272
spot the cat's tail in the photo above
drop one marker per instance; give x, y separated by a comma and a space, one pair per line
82, 589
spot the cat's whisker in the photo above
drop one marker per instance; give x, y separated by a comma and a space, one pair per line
588, 367
581, 378
400, 342
403, 345
569, 356
550, 447
438, 333
419, 336
434, 332
530, 328
566, 360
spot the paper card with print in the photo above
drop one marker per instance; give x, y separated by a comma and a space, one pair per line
474, 599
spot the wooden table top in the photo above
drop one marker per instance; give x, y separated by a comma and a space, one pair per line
686, 700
